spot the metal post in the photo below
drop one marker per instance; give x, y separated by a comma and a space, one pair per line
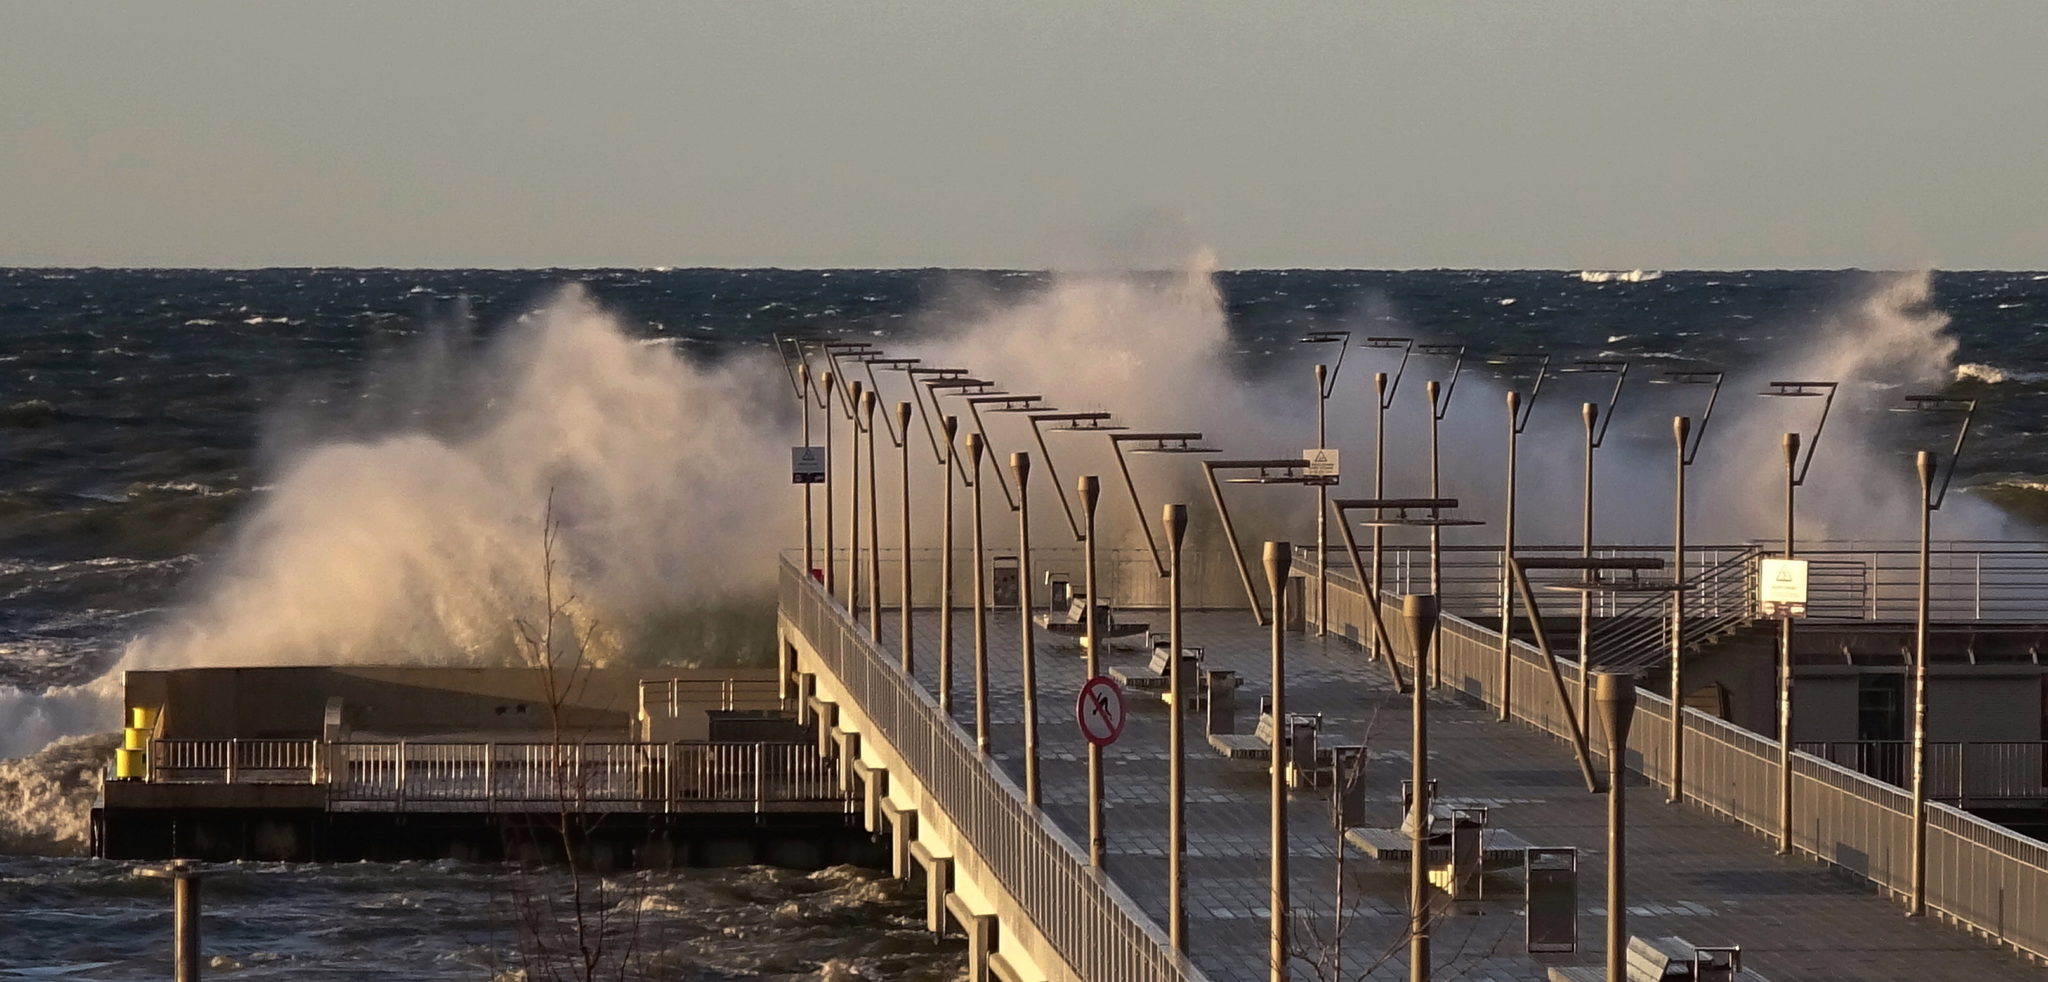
1175, 518
1617, 701
185, 901
1436, 666
1020, 464
1918, 906
1420, 611
1591, 413
903, 427
1507, 552
1091, 492
1379, 490
867, 409
951, 426
853, 506
825, 379
1681, 428
1322, 509
975, 449
1791, 446
1279, 557
803, 374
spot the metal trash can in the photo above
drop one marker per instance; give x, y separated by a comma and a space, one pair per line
1553, 899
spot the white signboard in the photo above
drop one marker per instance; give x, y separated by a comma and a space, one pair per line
807, 465
1781, 587
1322, 462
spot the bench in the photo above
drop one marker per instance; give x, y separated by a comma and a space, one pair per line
1667, 959
1157, 676
1072, 622
1309, 764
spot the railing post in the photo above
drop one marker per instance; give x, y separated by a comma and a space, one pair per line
490, 777
398, 771
759, 783
232, 743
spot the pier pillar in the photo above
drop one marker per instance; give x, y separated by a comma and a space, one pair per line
902, 834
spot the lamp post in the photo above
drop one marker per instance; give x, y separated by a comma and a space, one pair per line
1326, 383
1518, 420
908, 603
852, 396
951, 426
1421, 613
827, 380
1615, 694
1437, 409
1687, 442
1931, 496
1174, 518
1020, 465
974, 454
867, 412
1279, 558
1795, 475
1384, 390
1596, 434
1090, 492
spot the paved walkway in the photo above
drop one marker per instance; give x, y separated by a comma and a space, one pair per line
1691, 874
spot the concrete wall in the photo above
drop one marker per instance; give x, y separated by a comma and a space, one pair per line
289, 702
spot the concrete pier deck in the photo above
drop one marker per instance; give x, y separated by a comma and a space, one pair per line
1691, 873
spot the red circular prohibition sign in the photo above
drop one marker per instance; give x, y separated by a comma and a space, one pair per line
1100, 711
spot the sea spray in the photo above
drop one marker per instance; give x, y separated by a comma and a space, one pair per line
422, 543
46, 797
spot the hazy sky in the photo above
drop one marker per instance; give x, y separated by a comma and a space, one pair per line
1563, 133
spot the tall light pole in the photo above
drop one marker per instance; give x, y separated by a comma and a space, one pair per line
1421, 613
828, 380
867, 412
1687, 442
1279, 559
1089, 489
908, 603
974, 454
1795, 475
1175, 520
951, 426
1596, 434
1020, 465
1615, 694
852, 396
1931, 496
1518, 420
1439, 404
1326, 383
1384, 389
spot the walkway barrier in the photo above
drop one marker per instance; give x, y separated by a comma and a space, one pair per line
1982, 876
1093, 925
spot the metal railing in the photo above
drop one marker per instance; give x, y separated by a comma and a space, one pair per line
647, 777
1470, 578
1982, 876
234, 761
1090, 922
1718, 600
1981, 772
1969, 581
665, 697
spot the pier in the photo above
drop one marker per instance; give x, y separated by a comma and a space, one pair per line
1017, 881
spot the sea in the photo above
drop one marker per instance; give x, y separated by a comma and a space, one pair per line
146, 414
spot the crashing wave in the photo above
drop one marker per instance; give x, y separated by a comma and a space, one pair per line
1993, 375
1620, 275
46, 797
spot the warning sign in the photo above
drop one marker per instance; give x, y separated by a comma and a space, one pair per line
1322, 465
1781, 587
807, 465
1100, 711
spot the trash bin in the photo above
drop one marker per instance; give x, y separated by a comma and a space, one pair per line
1003, 581
1553, 899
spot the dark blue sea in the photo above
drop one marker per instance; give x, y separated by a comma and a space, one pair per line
153, 422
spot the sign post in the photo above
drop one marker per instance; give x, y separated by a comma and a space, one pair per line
807, 465
1100, 710
1781, 588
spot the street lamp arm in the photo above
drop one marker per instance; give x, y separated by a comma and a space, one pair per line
1371, 589
1457, 351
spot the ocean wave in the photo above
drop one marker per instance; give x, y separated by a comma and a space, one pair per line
1993, 375
46, 797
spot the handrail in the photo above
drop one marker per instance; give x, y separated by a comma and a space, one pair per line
1989, 878
1088, 920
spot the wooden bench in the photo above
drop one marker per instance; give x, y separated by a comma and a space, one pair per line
1498, 848
1259, 745
1073, 621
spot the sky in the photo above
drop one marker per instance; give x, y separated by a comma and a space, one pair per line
1558, 134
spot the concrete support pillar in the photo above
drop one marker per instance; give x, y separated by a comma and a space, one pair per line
902, 834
